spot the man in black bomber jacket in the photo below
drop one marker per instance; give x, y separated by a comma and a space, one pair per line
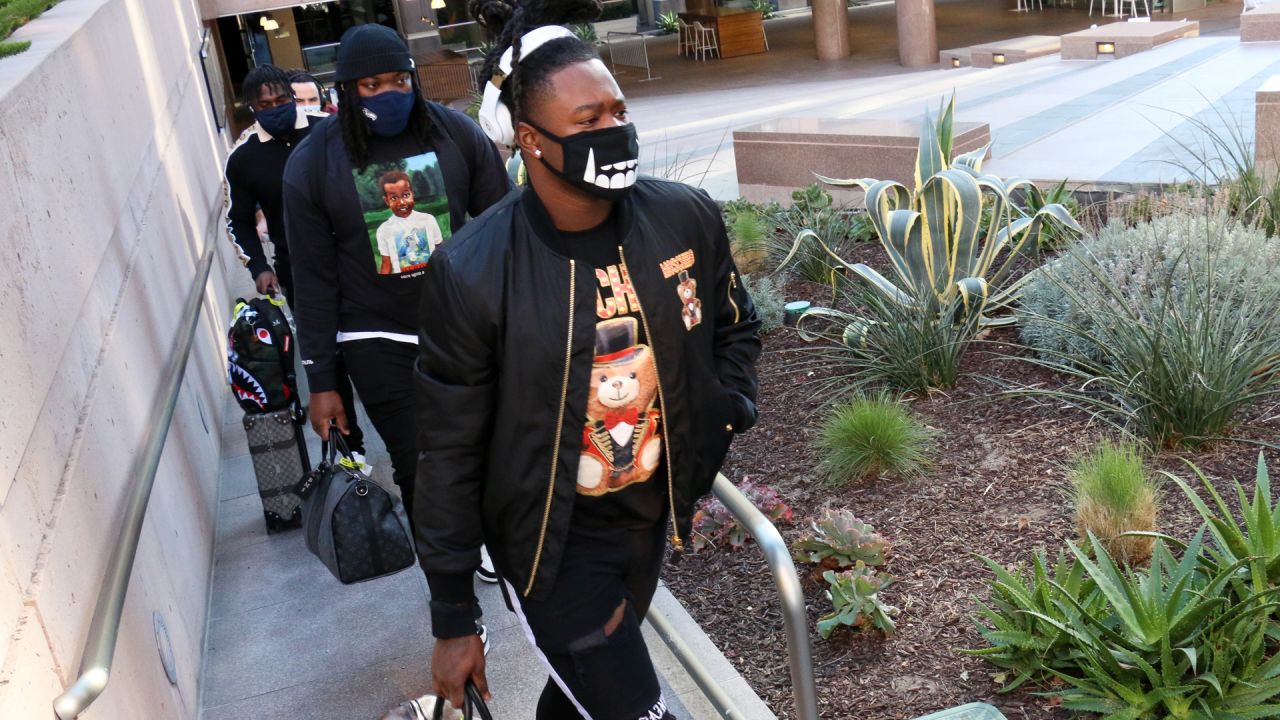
586, 355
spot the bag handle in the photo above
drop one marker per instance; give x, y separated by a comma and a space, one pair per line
473, 705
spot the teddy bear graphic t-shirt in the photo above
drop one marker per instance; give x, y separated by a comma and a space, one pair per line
621, 477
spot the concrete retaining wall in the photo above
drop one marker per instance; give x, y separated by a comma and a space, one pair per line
110, 175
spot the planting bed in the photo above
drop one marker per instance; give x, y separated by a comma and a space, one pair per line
999, 488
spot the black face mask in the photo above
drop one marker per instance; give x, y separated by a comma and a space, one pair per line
278, 121
602, 163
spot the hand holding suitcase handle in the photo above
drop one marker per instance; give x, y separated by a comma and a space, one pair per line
327, 411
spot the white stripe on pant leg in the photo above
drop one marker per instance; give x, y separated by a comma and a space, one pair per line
528, 633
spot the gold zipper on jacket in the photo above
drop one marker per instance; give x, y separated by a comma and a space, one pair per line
676, 542
733, 284
555, 449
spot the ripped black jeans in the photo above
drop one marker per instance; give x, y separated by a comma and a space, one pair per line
588, 629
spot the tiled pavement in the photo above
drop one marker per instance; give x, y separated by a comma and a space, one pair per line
1091, 122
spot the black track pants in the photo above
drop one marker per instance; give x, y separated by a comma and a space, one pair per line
593, 674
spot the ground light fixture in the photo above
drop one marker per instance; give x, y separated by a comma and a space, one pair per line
1106, 48
792, 311
997, 58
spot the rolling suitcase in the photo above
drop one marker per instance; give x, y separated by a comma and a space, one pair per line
261, 374
280, 461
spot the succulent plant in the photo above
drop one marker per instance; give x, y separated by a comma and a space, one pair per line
840, 540
856, 604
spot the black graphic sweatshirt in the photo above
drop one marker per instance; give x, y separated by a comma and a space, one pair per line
254, 168
342, 289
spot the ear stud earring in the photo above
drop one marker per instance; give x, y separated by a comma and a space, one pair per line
537, 153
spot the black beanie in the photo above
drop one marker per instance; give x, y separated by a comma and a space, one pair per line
371, 49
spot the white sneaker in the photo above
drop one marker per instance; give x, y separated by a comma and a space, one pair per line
486, 573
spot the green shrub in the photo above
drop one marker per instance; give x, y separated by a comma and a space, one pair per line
13, 15
1171, 350
1139, 262
770, 302
586, 32
872, 436
1114, 495
617, 10
668, 23
748, 232
764, 7
854, 596
812, 209
883, 343
840, 540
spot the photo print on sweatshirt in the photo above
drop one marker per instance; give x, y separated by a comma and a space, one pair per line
406, 211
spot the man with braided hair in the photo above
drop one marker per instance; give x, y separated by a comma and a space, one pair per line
347, 309
590, 408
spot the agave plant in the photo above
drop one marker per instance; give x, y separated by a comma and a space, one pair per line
946, 259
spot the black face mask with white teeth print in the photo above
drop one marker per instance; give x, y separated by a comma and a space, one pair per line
602, 163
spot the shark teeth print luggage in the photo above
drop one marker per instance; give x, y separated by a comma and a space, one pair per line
261, 374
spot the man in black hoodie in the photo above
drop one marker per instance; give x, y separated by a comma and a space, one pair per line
333, 209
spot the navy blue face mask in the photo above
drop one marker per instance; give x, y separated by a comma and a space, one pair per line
279, 120
388, 112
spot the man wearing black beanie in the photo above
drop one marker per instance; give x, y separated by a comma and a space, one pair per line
348, 208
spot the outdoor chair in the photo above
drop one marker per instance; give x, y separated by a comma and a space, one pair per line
1133, 7
1115, 11
684, 41
704, 41
1025, 5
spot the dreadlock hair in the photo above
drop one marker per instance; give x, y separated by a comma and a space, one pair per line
355, 131
268, 76
509, 20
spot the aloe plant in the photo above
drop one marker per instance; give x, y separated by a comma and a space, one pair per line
1172, 641
946, 260
1257, 543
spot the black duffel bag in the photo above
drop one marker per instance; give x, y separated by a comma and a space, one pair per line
356, 527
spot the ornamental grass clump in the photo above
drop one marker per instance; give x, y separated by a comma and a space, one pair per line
1114, 494
1172, 350
870, 437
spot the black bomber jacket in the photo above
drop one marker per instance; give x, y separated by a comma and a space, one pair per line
506, 343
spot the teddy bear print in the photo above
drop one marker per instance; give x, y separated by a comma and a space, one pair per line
690, 305
621, 444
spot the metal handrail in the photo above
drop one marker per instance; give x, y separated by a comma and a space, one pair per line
701, 676
104, 629
794, 617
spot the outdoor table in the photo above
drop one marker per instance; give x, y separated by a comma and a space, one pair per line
738, 31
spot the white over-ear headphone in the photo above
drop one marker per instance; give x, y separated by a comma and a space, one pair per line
495, 118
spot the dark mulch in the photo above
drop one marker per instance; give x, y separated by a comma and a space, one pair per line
998, 488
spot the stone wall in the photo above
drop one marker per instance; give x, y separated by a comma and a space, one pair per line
110, 189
